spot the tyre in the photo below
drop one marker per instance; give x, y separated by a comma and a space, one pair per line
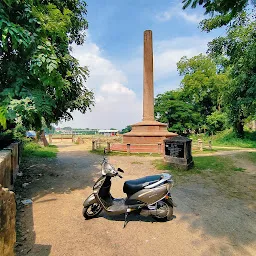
166, 206
92, 211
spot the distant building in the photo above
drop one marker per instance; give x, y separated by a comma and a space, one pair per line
108, 132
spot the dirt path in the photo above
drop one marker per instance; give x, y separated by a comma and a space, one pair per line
207, 221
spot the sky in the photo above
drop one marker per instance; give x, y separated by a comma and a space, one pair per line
113, 52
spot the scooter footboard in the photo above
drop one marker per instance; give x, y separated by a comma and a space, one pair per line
90, 200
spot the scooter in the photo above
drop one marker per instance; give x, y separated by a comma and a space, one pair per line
147, 196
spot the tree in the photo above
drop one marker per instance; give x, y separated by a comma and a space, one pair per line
179, 115
128, 128
203, 84
40, 80
222, 11
217, 121
239, 48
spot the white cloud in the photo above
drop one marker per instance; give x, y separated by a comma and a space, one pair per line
116, 99
169, 52
175, 11
116, 105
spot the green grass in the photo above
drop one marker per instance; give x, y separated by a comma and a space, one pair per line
33, 149
201, 164
250, 156
228, 138
136, 162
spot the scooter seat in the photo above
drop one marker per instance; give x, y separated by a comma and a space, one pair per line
133, 186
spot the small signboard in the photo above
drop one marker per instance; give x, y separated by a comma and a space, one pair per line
178, 152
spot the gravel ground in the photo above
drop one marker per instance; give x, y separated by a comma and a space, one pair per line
207, 221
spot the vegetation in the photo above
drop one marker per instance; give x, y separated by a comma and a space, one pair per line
201, 164
128, 128
198, 104
228, 138
33, 149
220, 86
41, 82
222, 11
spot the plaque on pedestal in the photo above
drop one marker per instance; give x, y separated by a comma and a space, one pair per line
178, 152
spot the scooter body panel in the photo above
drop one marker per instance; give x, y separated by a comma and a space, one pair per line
150, 196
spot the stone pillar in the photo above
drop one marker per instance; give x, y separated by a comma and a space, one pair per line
50, 138
210, 144
128, 148
93, 145
108, 146
148, 87
159, 148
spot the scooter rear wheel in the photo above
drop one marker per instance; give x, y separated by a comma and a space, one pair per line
166, 205
92, 210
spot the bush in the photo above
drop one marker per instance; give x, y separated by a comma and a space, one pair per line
33, 149
217, 121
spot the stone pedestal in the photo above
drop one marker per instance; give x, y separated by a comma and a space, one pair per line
178, 152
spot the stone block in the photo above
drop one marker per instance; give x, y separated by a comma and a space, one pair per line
7, 222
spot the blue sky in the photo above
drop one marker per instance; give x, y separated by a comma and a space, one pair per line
113, 53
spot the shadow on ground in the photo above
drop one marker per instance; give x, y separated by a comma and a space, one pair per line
70, 171
226, 222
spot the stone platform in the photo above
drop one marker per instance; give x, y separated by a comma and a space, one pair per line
145, 137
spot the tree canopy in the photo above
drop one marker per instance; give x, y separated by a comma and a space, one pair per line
41, 82
222, 11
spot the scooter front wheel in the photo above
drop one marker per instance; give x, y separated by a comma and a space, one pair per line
92, 210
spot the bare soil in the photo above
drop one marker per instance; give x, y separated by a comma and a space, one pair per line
212, 218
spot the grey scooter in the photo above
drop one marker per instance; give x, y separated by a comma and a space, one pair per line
147, 196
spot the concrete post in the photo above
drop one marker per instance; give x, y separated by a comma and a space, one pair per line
128, 148
200, 142
93, 145
148, 87
108, 146
210, 144
159, 148
50, 138
73, 138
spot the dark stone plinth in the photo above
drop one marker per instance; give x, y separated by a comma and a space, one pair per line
178, 152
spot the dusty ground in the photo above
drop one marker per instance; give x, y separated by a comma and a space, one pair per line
208, 220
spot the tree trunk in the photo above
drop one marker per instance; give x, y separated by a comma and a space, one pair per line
43, 138
239, 128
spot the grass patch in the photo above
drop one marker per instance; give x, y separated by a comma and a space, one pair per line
201, 164
239, 169
32, 149
136, 162
228, 138
205, 151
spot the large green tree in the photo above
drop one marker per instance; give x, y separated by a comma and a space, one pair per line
41, 82
222, 11
203, 84
239, 49
178, 114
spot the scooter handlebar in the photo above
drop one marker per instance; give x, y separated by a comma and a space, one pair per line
119, 175
120, 170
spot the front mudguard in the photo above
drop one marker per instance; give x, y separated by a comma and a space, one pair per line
90, 200
170, 200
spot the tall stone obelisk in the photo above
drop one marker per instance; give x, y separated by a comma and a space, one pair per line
148, 134
148, 80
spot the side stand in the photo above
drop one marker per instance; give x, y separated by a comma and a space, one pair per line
125, 219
